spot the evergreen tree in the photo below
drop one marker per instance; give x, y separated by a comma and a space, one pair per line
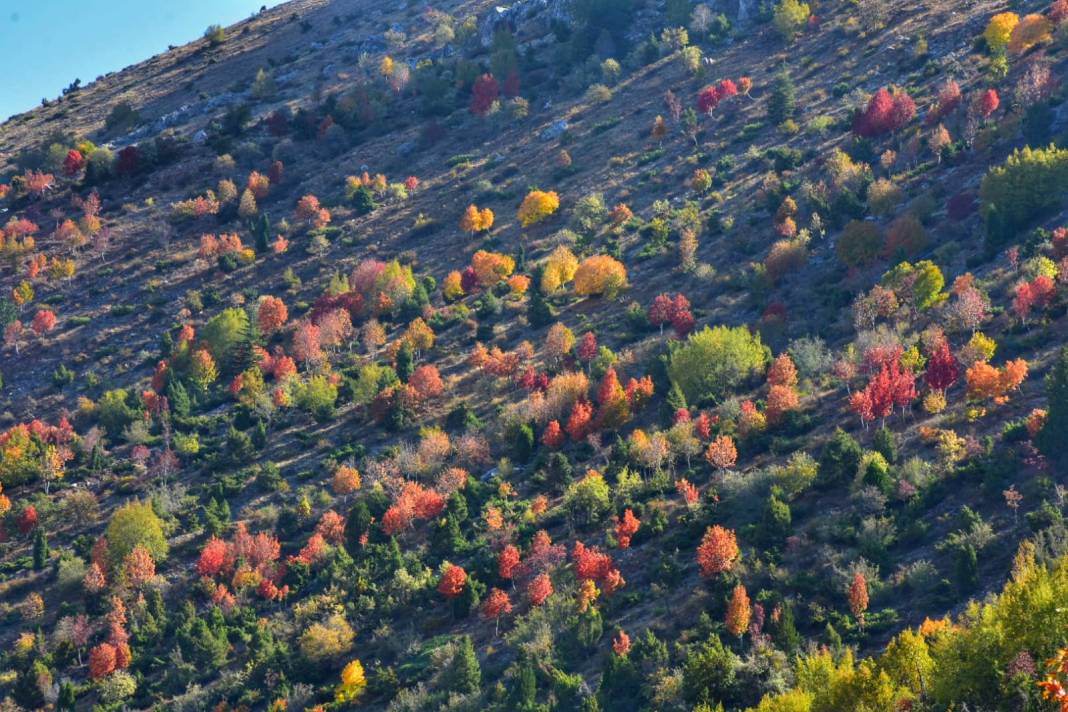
783, 100
1052, 440
884, 442
68, 696
40, 549
464, 674
839, 460
261, 228
405, 362
539, 312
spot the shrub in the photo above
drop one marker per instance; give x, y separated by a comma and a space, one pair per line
215, 35
714, 361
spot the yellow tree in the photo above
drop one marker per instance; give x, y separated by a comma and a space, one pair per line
537, 206
600, 274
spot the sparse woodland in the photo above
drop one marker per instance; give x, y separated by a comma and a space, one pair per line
580, 355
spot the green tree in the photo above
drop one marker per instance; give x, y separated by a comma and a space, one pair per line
782, 104
114, 413
790, 17
1021, 189
317, 396
714, 361
227, 335
40, 549
464, 674
710, 673
840, 459
135, 524
1052, 439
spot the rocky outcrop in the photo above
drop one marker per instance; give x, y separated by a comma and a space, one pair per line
521, 16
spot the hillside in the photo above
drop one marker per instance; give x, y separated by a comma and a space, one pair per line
571, 355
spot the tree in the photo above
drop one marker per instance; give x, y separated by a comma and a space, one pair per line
452, 581
999, 30
463, 673
885, 113
714, 361
540, 589
216, 557
475, 220
717, 552
102, 661
330, 638
537, 206
626, 528
859, 244
790, 16
491, 267
858, 597
942, 369
497, 604
226, 335
135, 524
721, 452
1052, 439
272, 314
600, 274
484, 93
353, 683
40, 549
508, 562
738, 612
782, 372
559, 269
1017, 191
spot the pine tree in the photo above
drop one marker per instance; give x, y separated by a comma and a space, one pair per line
783, 100
40, 549
1052, 440
464, 674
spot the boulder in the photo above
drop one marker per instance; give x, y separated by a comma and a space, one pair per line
554, 131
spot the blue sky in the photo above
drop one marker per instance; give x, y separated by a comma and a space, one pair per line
49, 43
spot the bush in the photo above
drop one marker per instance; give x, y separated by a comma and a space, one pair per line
714, 361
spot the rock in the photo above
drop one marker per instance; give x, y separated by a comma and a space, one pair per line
518, 16
740, 12
200, 137
554, 130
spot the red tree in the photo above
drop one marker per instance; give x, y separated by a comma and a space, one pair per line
43, 321
452, 581
497, 604
540, 589
587, 347
508, 561
74, 163
102, 661
626, 528
553, 437
484, 92
427, 381
578, 424
272, 314
988, 103
717, 552
942, 368
885, 113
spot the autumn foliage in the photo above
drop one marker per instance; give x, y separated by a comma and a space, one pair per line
717, 552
